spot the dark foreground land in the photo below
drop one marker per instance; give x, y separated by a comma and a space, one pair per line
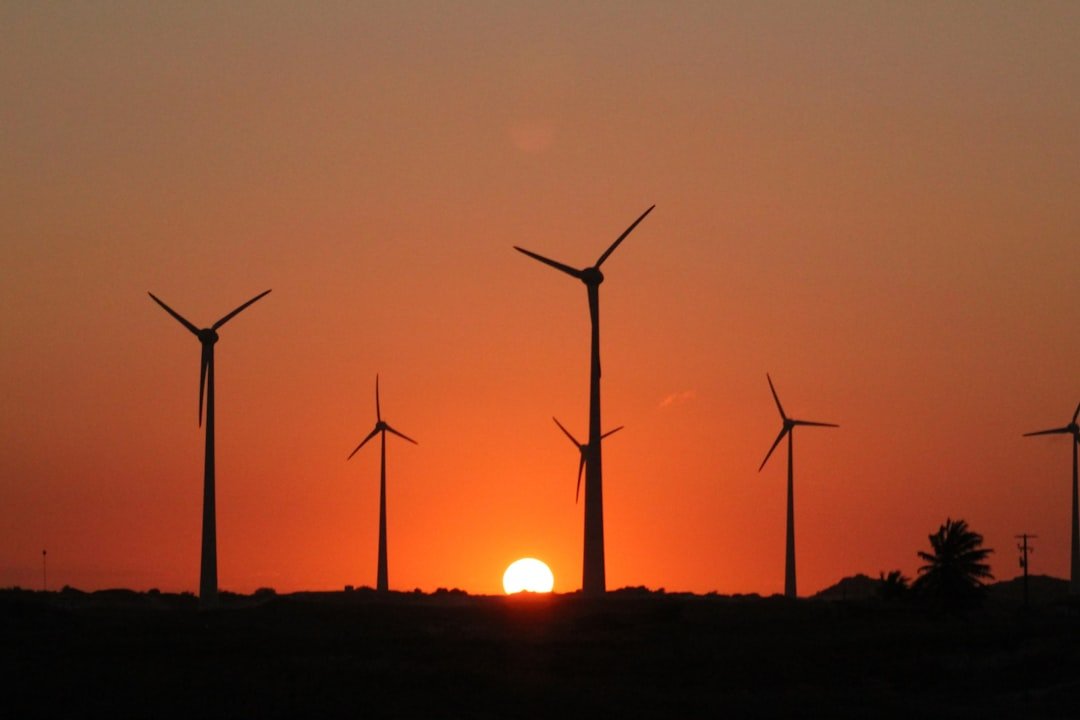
631, 654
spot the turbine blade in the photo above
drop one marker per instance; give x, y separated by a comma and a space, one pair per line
401, 435
371, 434
378, 411
611, 432
622, 237
553, 263
236, 312
580, 469
567, 432
779, 437
776, 397
812, 423
178, 316
1055, 431
204, 365
1076, 414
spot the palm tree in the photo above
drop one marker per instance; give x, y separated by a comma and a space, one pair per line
955, 569
893, 586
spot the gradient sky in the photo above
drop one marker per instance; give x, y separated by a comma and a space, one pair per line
877, 203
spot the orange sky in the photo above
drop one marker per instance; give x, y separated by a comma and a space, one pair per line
875, 203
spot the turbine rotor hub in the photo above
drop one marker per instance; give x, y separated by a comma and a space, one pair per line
208, 335
592, 276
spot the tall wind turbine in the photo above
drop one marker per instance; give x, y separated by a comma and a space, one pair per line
208, 585
789, 430
584, 449
593, 575
381, 428
1071, 429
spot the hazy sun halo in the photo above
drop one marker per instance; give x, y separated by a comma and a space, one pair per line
528, 575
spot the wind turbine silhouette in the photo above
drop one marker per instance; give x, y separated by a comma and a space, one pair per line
789, 429
208, 586
381, 428
593, 580
1071, 429
584, 448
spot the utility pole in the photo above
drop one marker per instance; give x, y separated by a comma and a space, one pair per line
44, 573
1025, 549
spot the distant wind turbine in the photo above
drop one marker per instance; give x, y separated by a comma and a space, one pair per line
1071, 429
584, 449
381, 428
788, 429
593, 574
208, 586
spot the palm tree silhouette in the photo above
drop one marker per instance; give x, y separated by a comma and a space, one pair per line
893, 586
955, 569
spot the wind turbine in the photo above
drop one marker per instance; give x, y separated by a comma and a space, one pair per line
584, 448
208, 585
789, 429
381, 428
593, 575
1071, 429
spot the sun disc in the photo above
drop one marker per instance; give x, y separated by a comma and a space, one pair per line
528, 575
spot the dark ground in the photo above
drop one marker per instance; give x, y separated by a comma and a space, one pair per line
630, 654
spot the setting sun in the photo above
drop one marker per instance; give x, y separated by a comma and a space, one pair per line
528, 575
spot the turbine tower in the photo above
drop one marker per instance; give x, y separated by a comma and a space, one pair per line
789, 430
1071, 429
584, 449
381, 428
593, 580
208, 585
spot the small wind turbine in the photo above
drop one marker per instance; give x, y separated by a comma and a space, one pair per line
1071, 429
208, 585
584, 448
381, 428
788, 429
593, 581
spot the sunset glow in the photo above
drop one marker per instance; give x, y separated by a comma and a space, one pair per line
874, 203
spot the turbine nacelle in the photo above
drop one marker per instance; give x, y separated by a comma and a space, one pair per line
592, 276
207, 336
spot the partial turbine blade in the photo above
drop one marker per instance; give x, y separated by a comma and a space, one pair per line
553, 263
611, 432
779, 437
1076, 414
235, 312
814, 424
378, 411
567, 432
580, 469
175, 314
371, 434
204, 365
775, 397
401, 435
1055, 431
622, 237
